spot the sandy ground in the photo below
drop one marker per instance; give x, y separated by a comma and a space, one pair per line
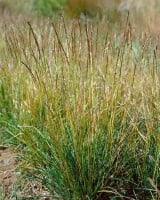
7, 169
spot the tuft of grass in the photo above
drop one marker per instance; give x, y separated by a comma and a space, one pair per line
84, 104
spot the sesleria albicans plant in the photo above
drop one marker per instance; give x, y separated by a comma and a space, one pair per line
86, 107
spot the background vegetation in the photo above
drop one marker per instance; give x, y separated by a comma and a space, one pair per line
48, 7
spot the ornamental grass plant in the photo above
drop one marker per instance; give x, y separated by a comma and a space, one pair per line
82, 101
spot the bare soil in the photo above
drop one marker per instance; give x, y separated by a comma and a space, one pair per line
8, 166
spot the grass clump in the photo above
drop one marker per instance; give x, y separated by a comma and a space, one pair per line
86, 106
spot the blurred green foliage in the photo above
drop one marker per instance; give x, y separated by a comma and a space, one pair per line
48, 7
